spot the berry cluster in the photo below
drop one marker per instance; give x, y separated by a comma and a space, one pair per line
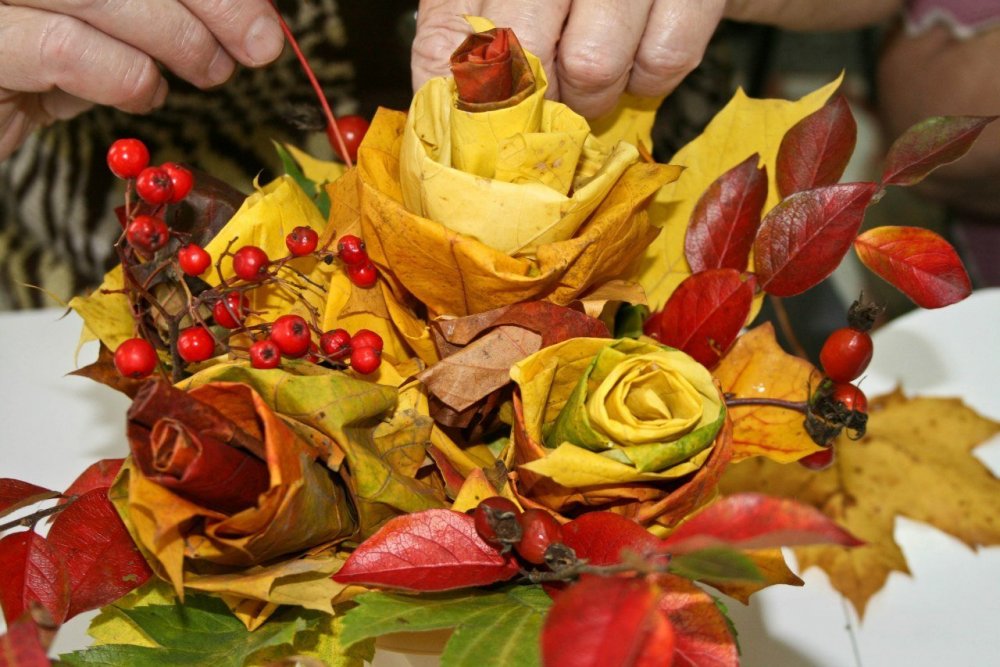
216, 317
534, 534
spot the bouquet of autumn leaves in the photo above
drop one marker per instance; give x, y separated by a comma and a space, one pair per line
288, 514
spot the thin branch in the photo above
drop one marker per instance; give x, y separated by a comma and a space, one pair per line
35, 517
785, 324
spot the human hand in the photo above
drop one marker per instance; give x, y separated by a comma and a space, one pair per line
592, 50
60, 57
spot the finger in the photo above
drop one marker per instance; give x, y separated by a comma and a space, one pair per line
596, 52
673, 44
42, 51
162, 28
247, 29
538, 26
440, 29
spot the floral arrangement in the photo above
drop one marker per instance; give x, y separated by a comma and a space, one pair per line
494, 379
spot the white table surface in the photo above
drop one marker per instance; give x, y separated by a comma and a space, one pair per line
947, 612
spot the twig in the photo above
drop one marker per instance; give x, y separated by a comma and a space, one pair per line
35, 517
797, 406
785, 324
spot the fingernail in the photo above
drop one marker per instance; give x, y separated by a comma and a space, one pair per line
264, 40
221, 67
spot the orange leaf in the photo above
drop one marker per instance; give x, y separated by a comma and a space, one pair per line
703, 637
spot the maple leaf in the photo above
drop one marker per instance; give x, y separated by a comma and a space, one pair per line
914, 461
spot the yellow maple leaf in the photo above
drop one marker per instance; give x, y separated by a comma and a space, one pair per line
744, 127
914, 461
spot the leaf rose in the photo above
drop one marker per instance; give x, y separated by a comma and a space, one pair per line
632, 425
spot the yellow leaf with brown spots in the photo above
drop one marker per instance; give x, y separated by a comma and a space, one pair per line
915, 461
757, 367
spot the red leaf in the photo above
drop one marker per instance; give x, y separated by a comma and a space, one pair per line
803, 239
15, 494
930, 144
726, 218
22, 645
816, 150
705, 313
916, 261
98, 475
434, 550
607, 622
31, 570
102, 560
600, 537
702, 634
756, 521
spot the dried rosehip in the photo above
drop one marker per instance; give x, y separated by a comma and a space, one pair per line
540, 531
496, 521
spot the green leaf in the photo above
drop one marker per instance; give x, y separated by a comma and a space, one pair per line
317, 194
496, 628
715, 564
200, 632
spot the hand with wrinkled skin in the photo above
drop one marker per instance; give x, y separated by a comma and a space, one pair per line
595, 50
60, 57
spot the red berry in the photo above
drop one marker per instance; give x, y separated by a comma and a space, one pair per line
127, 157
250, 263
292, 335
850, 397
301, 241
351, 250
231, 310
195, 344
265, 354
365, 360
367, 338
135, 358
818, 460
154, 186
363, 275
181, 181
540, 530
147, 233
193, 259
352, 129
845, 354
496, 521
336, 344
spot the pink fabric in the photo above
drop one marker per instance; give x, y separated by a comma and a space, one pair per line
964, 17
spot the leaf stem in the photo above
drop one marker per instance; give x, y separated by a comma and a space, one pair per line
797, 406
35, 517
785, 324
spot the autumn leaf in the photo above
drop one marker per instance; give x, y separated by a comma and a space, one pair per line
15, 494
757, 366
435, 550
31, 570
914, 461
21, 646
918, 262
98, 475
601, 537
816, 150
703, 637
930, 144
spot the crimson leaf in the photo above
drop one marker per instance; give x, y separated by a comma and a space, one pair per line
705, 313
31, 570
15, 494
918, 262
98, 475
601, 537
726, 218
929, 144
703, 634
434, 550
802, 239
816, 150
102, 560
22, 645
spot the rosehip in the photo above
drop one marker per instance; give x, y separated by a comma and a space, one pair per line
135, 358
195, 344
818, 460
265, 354
353, 130
127, 158
301, 241
367, 338
496, 521
846, 354
336, 343
365, 360
154, 186
363, 275
540, 531
181, 181
850, 397
193, 259
292, 336
351, 250
147, 233
230, 310
250, 263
